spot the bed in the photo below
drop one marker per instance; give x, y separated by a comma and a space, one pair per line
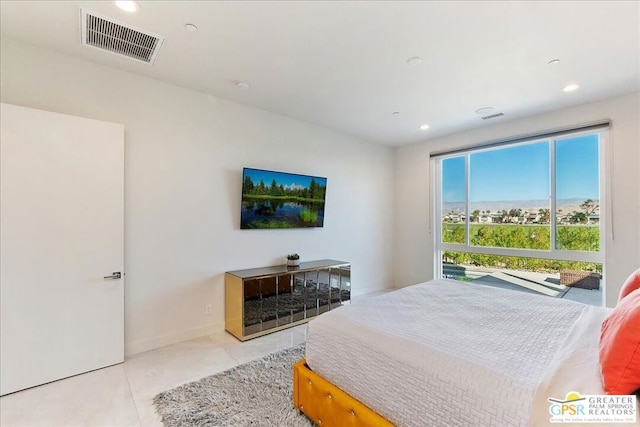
448, 353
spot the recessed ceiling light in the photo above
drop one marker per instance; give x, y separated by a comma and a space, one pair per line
485, 111
128, 6
554, 62
243, 85
424, 127
571, 87
191, 28
414, 60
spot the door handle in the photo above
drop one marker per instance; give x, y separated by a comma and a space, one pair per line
115, 275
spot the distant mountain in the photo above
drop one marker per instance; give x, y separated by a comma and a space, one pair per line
294, 187
567, 205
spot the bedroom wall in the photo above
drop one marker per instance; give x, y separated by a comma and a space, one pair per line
184, 153
414, 251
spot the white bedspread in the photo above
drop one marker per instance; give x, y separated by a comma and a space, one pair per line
450, 353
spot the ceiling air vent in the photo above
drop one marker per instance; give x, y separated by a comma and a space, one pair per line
103, 33
492, 116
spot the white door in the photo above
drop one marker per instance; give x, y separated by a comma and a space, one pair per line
61, 232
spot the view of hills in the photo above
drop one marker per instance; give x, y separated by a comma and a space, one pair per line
567, 205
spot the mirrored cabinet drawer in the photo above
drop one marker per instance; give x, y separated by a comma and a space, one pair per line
263, 300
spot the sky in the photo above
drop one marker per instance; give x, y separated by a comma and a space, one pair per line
523, 172
282, 178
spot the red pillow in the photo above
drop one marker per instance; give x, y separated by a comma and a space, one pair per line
631, 284
620, 347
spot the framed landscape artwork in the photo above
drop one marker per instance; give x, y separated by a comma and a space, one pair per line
272, 199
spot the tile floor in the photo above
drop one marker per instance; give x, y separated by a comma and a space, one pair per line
121, 395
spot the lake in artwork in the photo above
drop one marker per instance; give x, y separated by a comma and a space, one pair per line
273, 199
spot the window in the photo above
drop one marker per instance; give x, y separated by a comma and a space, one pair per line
524, 215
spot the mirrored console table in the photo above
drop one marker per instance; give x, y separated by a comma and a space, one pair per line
259, 301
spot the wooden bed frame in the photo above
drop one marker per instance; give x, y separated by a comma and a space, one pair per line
326, 404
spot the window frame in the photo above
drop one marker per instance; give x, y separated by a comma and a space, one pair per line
552, 252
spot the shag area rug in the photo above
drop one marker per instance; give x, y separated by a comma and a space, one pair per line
258, 393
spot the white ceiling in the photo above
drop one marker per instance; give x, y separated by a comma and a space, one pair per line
343, 64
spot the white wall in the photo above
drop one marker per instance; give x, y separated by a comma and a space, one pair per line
184, 153
414, 249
